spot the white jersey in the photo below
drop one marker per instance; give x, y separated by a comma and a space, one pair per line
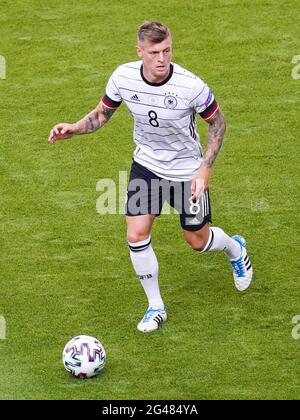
165, 135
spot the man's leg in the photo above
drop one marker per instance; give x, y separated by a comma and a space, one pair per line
195, 218
213, 239
208, 239
146, 267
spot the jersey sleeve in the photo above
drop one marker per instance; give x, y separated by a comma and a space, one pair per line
203, 101
112, 97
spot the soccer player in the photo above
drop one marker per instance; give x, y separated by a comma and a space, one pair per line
168, 163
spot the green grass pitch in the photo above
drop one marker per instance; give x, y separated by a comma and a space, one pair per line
65, 270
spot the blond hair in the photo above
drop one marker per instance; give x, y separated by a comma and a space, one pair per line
155, 32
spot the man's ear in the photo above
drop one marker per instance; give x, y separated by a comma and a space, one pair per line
139, 51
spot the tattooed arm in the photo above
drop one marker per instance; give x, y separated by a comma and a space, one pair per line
216, 132
94, 120
90, 123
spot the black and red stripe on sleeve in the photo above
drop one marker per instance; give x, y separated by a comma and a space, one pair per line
210, 110
110, 103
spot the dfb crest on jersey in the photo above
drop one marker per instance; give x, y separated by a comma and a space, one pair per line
170, 102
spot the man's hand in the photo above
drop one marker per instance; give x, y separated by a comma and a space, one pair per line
200, 183
61, 131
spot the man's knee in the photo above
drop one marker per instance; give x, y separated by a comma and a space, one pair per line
139, 228
135, 236
196, 244
197, 240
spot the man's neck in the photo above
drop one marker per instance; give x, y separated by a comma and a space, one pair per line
154, 79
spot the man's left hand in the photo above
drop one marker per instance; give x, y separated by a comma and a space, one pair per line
200, 183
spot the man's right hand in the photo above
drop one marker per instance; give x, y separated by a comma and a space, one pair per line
61, 131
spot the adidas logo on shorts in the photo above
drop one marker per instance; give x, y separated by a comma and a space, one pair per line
193, 221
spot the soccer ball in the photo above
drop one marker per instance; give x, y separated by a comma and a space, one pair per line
84, 356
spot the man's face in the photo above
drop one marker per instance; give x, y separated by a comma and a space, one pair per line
156, 59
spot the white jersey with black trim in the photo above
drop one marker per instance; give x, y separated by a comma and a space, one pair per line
167, 142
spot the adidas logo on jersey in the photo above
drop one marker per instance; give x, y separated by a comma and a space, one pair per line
135, 98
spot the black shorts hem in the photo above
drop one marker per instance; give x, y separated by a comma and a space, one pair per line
195, 228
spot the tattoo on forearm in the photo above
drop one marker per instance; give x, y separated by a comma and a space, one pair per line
216, 131
91, 125
107, 112
92, 122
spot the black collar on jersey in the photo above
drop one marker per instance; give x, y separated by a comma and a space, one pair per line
160, 83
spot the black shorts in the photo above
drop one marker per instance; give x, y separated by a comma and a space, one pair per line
147, 193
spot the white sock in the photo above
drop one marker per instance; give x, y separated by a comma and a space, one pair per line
146, 267
220, 241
